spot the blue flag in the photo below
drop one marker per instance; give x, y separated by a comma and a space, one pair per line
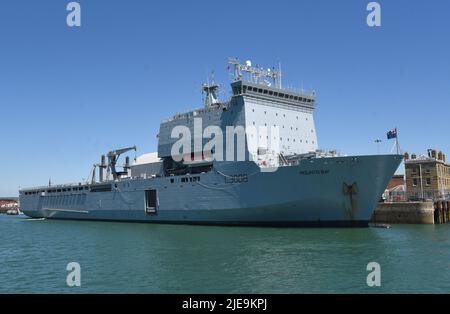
392, 134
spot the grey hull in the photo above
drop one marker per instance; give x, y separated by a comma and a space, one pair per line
337, 191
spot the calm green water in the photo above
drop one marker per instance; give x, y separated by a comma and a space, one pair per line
146, 258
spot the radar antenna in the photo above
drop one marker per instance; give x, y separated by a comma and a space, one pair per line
210, 90
255, 74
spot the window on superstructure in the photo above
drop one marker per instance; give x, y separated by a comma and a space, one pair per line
266, 91
270, 93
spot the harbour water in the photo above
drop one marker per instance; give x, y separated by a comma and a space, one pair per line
150, 258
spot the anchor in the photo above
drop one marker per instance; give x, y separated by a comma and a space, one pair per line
351, 190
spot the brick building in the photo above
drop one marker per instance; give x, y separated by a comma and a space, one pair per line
427, 176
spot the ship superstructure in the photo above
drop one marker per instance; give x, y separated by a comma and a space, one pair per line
273, 175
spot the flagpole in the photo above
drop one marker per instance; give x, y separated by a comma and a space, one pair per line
396, 141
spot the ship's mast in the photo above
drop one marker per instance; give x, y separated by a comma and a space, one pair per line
255, 74
211, 96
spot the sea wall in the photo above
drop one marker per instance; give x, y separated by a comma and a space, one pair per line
404, 213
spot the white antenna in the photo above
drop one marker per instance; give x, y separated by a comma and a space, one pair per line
254, 74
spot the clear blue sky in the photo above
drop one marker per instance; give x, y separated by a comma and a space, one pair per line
67, 95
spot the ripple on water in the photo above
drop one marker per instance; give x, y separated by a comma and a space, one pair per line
120, 257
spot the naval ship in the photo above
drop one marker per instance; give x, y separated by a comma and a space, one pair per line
292, 183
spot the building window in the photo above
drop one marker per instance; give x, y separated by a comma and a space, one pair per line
414, 182
428, 181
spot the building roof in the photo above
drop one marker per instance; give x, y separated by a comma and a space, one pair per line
425, 159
